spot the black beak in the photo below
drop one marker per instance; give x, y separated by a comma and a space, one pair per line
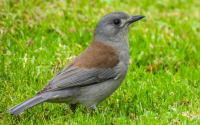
136, 18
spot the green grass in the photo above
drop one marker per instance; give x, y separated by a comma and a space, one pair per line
38, 38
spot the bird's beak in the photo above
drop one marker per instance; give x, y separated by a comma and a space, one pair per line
135, 18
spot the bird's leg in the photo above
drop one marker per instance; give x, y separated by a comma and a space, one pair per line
73, 107
92, 108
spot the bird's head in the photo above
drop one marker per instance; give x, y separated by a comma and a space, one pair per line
114, 25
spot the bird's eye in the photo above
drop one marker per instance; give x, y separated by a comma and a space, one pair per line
117, 21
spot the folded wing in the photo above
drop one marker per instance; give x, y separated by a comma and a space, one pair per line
97, 63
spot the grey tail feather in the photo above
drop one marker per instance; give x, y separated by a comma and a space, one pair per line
26, 105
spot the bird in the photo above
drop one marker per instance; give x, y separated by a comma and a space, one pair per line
95, 73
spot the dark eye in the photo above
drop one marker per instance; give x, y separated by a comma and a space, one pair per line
117, 21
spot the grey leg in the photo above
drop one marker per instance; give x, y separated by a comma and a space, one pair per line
73, 107
92, 108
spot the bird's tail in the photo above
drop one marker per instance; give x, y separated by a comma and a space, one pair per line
26, 105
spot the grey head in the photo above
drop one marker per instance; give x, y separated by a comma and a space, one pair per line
114, 25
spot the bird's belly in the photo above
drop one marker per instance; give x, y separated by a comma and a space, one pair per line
92, 95
89, 96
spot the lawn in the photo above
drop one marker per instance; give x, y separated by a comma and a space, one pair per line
162, 86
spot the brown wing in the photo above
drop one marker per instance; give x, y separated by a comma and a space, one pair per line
97, 63
97, 55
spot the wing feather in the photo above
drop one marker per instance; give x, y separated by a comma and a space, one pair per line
73, 77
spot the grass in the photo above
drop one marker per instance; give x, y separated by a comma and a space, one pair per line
162, 86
